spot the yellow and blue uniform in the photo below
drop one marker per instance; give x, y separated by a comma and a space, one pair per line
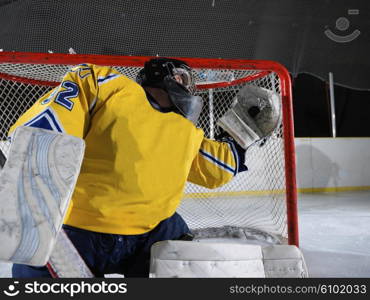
137, 159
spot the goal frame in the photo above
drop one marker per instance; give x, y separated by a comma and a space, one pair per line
263, 66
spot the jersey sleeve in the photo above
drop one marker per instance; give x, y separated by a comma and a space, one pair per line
216, 163
68, 107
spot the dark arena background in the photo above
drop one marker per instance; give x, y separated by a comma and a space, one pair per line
291, 32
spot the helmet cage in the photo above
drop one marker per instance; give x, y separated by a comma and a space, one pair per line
182, 75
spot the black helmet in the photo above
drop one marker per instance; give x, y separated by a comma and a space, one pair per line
174, 76
157, 69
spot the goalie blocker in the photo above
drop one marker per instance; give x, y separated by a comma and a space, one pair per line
36, 184
253, 116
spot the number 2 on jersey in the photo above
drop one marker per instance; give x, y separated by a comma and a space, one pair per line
63, 97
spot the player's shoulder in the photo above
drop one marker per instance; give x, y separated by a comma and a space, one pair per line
97, 69
94, 69
104, 74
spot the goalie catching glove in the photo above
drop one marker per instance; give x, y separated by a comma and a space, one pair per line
253, 116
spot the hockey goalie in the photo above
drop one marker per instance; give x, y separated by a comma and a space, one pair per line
98, 166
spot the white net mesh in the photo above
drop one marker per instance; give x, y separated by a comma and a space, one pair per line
254, 199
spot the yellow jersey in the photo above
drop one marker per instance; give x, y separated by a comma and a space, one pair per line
137, 159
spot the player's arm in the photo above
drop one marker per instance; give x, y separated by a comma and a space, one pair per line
217, 162
255, 114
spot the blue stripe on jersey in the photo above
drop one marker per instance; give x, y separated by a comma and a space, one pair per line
46, 120
105, 79
236, 156
217, 162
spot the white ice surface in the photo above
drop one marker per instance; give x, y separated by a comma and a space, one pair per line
334, 234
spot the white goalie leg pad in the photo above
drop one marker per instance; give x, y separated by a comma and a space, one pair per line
254, 115
65, 261
284, 261
204, 260
36, 185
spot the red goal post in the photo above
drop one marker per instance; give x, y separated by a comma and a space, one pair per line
267, 192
